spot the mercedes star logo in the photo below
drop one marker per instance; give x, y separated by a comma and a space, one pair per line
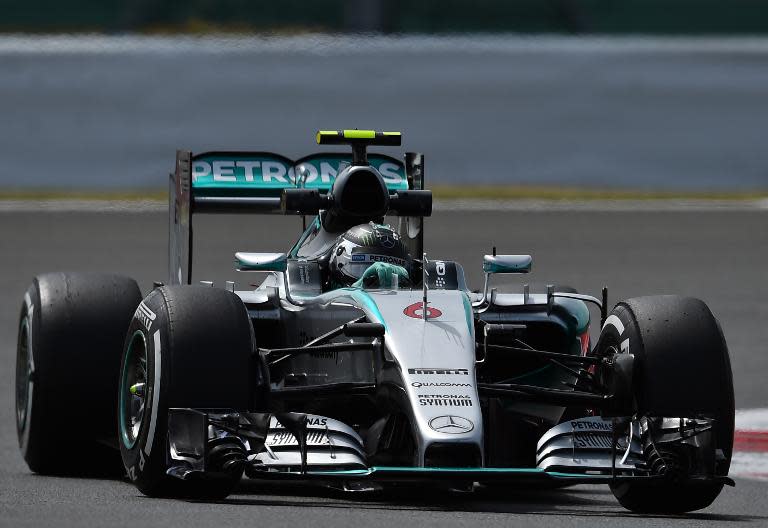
387, 241
451, 424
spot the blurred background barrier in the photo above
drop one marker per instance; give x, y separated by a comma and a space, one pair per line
640, 95
643, 113
389, 16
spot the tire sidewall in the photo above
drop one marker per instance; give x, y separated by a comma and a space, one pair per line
145, 460
31, 318
620, 332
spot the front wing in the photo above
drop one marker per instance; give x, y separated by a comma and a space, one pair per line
294, 446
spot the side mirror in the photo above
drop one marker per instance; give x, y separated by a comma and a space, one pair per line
507, 263
493, 264
261, 261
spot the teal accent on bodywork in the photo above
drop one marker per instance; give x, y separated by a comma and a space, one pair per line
468, 313
274, 265
355, 296
428, 470
365, 301
127, 442
265, 174
437, 471
507, 263
384, 273
313, 226
576, 311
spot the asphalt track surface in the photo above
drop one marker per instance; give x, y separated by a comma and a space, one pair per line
638, 112
719, 256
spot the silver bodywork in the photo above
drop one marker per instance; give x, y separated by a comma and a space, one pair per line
432, 358
435, 357
330, 444
431, 366
585, 445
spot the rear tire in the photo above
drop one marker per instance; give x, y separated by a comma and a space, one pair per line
682, 369
192, 347
71, 331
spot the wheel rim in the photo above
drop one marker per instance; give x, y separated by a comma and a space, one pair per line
23, 376
133, 390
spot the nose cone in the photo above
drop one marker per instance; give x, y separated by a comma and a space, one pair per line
437, 362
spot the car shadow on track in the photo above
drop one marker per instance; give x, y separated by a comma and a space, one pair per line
575, 501
579, 501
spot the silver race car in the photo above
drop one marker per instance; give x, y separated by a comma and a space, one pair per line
360, 361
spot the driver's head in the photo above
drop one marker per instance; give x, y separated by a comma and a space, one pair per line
364, 245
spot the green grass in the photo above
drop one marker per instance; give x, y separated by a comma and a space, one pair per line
441, 192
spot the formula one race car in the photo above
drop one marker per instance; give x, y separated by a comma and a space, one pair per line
359, 362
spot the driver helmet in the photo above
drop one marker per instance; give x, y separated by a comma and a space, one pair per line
363, 245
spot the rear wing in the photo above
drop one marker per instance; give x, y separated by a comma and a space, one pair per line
253, 182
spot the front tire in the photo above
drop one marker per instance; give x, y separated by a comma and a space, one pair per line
682, 369
187, 347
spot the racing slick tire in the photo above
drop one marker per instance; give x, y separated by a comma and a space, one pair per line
682, 368
190, 347
71, 332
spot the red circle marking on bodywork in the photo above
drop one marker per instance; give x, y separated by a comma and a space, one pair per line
415, 311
